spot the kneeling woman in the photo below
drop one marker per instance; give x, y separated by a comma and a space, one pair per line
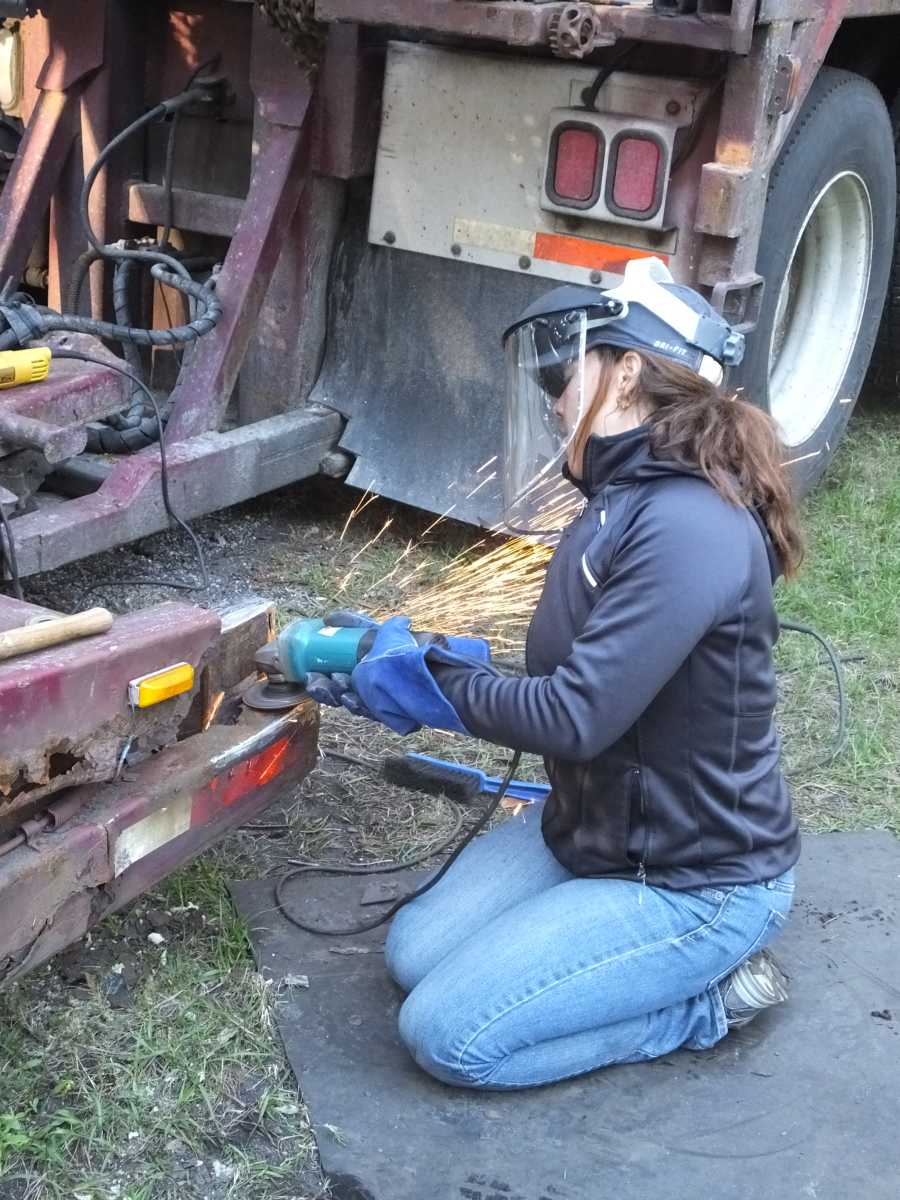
625, 916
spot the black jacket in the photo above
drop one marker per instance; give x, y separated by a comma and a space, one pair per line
652, 687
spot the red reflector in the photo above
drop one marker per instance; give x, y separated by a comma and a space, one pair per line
575, 170
637, 169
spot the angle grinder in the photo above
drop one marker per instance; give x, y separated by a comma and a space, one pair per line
306, 645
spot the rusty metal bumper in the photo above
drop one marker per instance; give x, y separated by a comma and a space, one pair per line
126, 836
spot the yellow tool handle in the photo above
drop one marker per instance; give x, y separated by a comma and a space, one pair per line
54, 631
24, 366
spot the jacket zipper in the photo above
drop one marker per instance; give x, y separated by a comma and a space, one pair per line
638, 780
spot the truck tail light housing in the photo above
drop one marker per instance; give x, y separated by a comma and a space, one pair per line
575, 165
612, 166
637, 174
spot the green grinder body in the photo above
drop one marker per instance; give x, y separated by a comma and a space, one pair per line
310, 645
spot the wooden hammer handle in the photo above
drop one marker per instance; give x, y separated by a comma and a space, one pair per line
50, 633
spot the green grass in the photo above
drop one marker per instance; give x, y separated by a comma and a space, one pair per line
849, 590
184, 1094
113, 1104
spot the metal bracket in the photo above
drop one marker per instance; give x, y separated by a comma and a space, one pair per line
740, 301
781, 97
576, 32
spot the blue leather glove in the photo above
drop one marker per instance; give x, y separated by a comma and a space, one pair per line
405, 694
394, 683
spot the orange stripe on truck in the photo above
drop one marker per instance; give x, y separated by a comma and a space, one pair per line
579, 252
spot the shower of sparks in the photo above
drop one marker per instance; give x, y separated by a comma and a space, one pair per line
437, 521
487, 479
342, 586
496, 589
213, 708
364, 501
372, 540
491, 586
393, 571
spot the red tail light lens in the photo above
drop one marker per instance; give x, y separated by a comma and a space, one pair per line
636, 176
576, 165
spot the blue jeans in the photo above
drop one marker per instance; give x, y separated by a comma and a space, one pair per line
521, 974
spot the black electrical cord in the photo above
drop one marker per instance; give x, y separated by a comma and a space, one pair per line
589, 94
10, 555
169, 166
163, 471
168, 182
839, 740
324, 869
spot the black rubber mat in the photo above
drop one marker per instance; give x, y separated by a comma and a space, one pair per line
803, 1104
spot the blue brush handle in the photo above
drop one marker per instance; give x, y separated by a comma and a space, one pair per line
518, 789
489, 784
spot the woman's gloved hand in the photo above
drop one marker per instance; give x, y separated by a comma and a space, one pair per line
337, 690
393, 684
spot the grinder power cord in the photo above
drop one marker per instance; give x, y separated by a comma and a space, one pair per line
379, 671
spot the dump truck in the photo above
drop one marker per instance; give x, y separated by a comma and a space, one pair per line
245, 243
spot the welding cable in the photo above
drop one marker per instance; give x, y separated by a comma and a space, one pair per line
324, 869
163, 473
9, 554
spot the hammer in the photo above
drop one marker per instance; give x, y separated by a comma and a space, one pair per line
53, 631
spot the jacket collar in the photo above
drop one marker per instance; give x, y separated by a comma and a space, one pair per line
606, 459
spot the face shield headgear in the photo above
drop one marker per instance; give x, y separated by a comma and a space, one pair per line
553, 379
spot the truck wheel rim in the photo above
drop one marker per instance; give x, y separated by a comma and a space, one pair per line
820, 307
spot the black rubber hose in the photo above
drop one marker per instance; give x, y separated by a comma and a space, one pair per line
122, 311
109, 437
83, 264
148, 118
164, 267
42, 323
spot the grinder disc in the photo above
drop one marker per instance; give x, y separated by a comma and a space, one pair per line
270, 695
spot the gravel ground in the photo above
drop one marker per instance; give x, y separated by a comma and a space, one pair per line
246, 550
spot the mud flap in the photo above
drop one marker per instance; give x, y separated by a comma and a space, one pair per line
414, 361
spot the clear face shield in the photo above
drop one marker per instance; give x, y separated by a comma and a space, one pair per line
552, 381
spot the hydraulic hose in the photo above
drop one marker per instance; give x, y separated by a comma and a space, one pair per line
31, 323
26, 323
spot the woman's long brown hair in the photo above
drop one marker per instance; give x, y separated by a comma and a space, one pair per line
733, 443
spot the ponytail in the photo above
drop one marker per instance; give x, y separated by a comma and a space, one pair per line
733, 443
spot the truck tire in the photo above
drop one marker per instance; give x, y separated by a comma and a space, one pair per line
885, 371
825, 254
